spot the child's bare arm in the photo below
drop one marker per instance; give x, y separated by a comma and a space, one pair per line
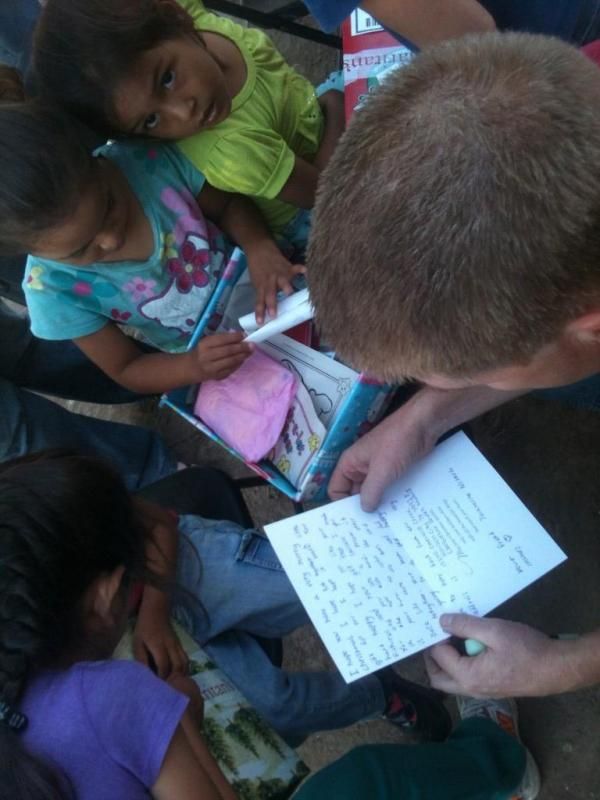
425, 22
269, 269
185, 775
154, 639
191, 722
332, 103
120, 358
301, 186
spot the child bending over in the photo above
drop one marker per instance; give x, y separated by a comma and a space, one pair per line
159, 69
121, 238
74, 546
74, 723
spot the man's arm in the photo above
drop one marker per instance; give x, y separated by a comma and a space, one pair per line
518, 661
425, 22
379, 458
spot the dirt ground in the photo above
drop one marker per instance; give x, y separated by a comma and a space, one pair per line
550, 455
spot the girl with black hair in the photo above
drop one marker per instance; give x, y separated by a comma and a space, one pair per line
72, 723
163, 69
74, 546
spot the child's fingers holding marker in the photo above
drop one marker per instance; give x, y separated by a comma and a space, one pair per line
223, 368
222, 354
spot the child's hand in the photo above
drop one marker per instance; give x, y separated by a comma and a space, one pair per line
219, 355
155, 644
188, 687
271, 272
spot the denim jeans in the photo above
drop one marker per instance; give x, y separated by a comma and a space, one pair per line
17, 21
243, 591
29, 422
588, 23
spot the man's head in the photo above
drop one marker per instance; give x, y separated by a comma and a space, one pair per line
456, 235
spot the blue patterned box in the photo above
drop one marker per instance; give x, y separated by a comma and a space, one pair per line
363, 406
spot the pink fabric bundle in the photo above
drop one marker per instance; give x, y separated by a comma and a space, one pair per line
248, 409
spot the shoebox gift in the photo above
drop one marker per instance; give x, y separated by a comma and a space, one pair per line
327, 404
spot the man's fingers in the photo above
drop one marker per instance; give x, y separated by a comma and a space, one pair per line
377, 479
438, 678
344, 478
447, 658
466, 626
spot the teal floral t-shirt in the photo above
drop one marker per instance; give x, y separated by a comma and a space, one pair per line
162, 297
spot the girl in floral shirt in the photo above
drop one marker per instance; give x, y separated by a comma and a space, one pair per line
121, 238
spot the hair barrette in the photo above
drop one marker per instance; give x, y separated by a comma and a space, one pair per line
13, 719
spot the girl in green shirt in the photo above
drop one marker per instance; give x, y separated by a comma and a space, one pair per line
168, 70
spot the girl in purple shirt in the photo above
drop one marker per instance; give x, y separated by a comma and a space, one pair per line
86, 727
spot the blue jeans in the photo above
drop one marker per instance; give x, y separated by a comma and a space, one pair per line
236, 577
29, 423
17, 21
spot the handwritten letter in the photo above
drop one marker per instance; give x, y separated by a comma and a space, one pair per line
449, 536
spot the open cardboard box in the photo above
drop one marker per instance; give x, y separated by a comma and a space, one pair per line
354, 405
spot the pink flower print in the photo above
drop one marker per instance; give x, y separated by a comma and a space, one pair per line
140, 289
189, 269
120, 316
82, 288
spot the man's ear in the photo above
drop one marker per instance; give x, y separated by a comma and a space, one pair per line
586, 328
100, 597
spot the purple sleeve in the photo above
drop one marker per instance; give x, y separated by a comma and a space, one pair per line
133, 713
330, 13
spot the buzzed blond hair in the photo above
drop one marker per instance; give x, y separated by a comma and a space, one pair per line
457, 226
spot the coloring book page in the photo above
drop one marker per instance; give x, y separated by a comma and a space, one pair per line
449, 536
326, 380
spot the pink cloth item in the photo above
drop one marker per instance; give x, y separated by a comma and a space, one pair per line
249, 408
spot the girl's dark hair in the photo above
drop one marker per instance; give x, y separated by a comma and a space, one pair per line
83, 48
45, 163
64, 520
12, 89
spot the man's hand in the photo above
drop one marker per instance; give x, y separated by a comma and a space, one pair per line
381, 456
217, 356
270, 272
384, 454
518, 661
155, 643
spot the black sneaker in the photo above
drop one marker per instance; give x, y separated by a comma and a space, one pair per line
418, 709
